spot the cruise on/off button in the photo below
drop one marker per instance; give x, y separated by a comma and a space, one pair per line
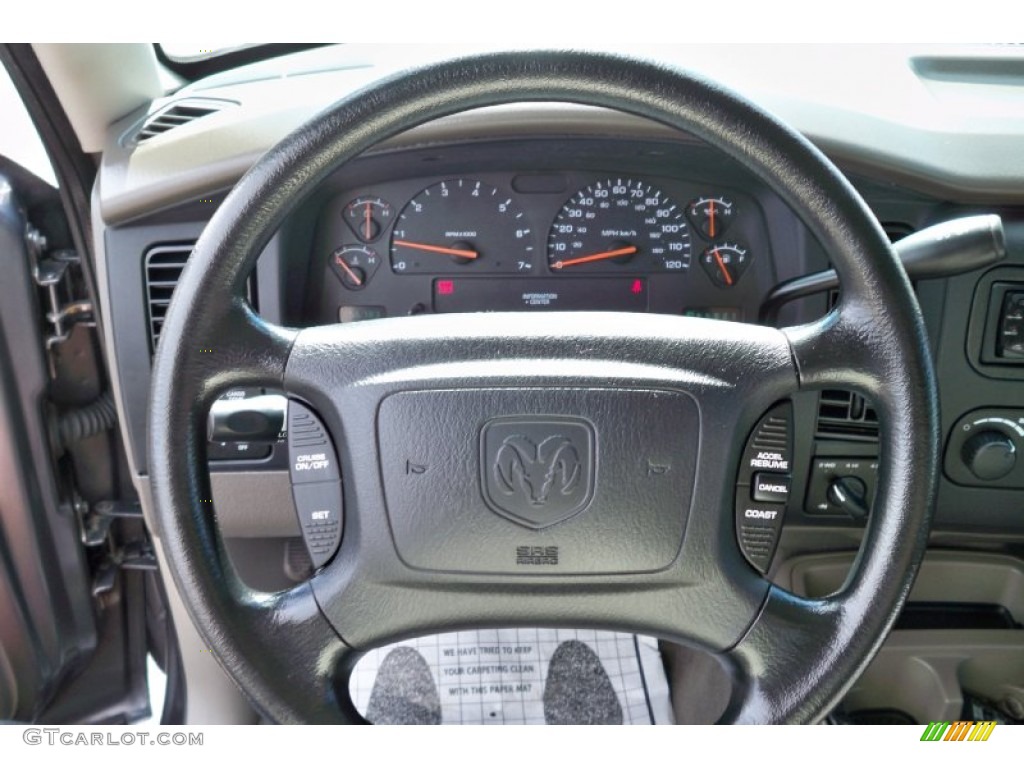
770, 487
311, 454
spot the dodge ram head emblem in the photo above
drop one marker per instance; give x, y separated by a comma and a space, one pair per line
537, 472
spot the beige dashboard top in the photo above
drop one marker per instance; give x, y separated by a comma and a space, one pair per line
946, 122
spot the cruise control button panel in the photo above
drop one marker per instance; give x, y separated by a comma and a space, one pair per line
763, 485
316, 483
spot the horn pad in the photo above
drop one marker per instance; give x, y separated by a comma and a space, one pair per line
530, 481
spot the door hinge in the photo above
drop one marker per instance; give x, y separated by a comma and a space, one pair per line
134, 555
52, 273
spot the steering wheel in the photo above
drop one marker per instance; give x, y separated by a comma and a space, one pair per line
634, 555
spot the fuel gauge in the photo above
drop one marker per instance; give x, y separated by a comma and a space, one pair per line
711, 215
725, 263
367, 217
354, 265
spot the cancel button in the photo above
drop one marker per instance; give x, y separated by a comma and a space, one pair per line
770, 487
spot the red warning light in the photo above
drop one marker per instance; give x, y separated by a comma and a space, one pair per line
638, 286
445, 287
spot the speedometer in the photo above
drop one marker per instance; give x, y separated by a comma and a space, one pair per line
619, 225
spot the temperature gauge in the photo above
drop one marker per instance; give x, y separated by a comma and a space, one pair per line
368, 217
725, 263
711, 215
354, 265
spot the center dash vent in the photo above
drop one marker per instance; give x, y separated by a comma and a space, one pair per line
175, 115
164, 264
846, 415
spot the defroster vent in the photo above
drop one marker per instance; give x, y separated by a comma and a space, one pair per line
175, 115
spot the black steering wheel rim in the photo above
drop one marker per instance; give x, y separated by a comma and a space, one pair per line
827, 641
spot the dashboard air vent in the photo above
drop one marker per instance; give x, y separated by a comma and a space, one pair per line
164, 264
845, 415
175, 115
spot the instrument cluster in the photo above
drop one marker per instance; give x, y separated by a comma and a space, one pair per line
544, 240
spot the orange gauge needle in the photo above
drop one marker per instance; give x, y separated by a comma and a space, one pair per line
366, 220
460, 252
595, 257
721, 266
711, 219
348, 271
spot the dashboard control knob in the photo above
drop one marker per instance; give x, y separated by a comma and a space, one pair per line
850, 494
989, 455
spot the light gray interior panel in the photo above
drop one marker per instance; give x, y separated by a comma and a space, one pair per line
950, 577
927, 672
254, 504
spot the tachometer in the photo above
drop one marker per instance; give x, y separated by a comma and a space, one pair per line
461, 224
618, 225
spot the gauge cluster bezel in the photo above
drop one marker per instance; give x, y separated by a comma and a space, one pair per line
540, 177
412, 291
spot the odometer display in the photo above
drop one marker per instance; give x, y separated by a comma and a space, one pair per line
616, 226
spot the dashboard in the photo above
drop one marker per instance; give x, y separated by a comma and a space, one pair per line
577, 223
554, 207
555, 226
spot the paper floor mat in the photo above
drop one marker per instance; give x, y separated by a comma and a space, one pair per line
500, 677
